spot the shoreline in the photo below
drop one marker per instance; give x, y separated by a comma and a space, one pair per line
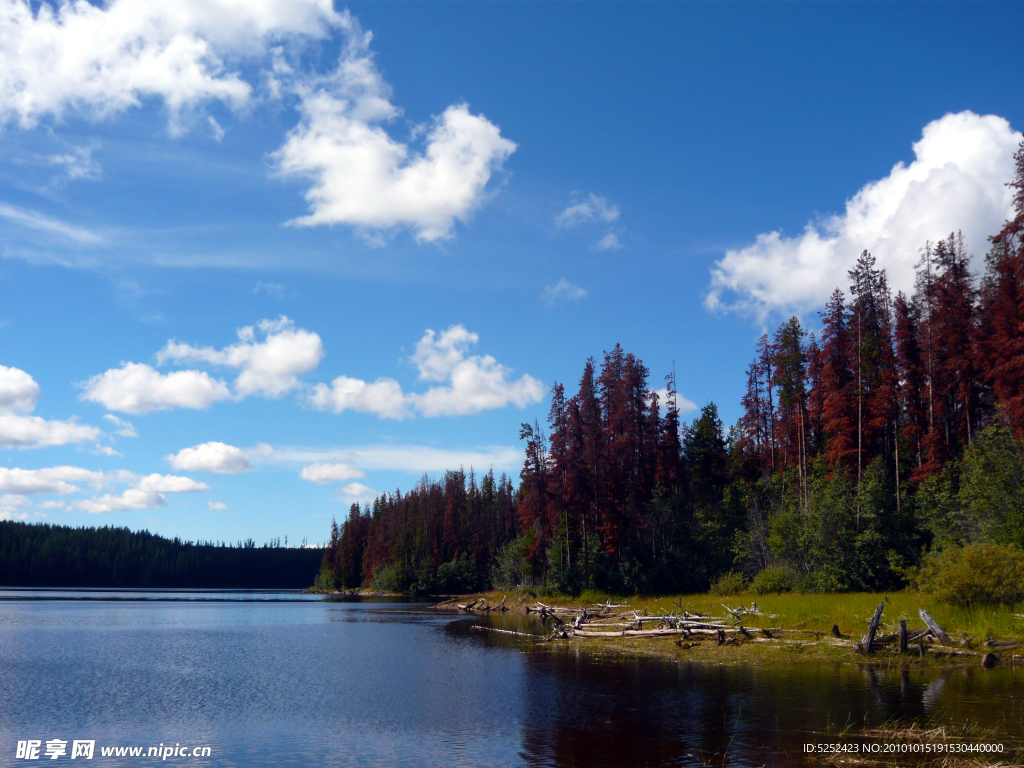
785, 628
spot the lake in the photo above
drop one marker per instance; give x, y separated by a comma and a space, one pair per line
284, 679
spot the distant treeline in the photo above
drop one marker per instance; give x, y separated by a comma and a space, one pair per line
61, 556
897, 431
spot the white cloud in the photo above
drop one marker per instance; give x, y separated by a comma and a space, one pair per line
100, 60
14, 502
137, 388
364, 178
269, 367
157, 483
41, 223
563, 290
19, 394
609, 242
105, 450
78, 164
216, 506
36, 432
142, 492
271, 289
414, 459
211, 457
215, 128
147, 493
358, 491
130, 500
956, 181
684, 404
329, 473
383, 397
124, 428
55, 480
592, 208
477, 382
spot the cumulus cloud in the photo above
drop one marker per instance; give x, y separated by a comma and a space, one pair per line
358, 491
19, 394
382, 397
957, 180
156, 483
591, 208
329, 473
216, 506
269, 357
363, 177
99, 60
124, 428
563, 290
36, 432
142, 492
12, 507
128, 501
147, 493
269, 367
105, 450
473, 383
137, 388
211, 457
51, 480
476, 382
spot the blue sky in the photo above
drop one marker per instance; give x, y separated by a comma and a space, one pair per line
261, 259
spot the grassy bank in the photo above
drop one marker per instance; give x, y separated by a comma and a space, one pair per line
812, 614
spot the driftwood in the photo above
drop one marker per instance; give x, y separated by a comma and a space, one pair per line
869, 637
471, 605
941, 636
482, 628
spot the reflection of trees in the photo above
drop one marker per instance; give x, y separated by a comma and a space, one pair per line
584, 712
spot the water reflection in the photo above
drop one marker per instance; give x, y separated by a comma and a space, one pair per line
351, 683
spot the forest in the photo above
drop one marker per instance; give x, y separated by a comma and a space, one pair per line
892, 431
33, 555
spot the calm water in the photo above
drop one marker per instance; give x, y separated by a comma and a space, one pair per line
283, 679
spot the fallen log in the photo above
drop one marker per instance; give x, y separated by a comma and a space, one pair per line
482, 628
941, 636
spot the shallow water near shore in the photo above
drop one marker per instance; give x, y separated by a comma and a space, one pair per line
277, 678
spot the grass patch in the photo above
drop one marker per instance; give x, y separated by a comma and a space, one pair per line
810, 612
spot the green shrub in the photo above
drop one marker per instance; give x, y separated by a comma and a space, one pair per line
731, 583
774, 579
324, 581
393, 578
978, 574
457, 576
